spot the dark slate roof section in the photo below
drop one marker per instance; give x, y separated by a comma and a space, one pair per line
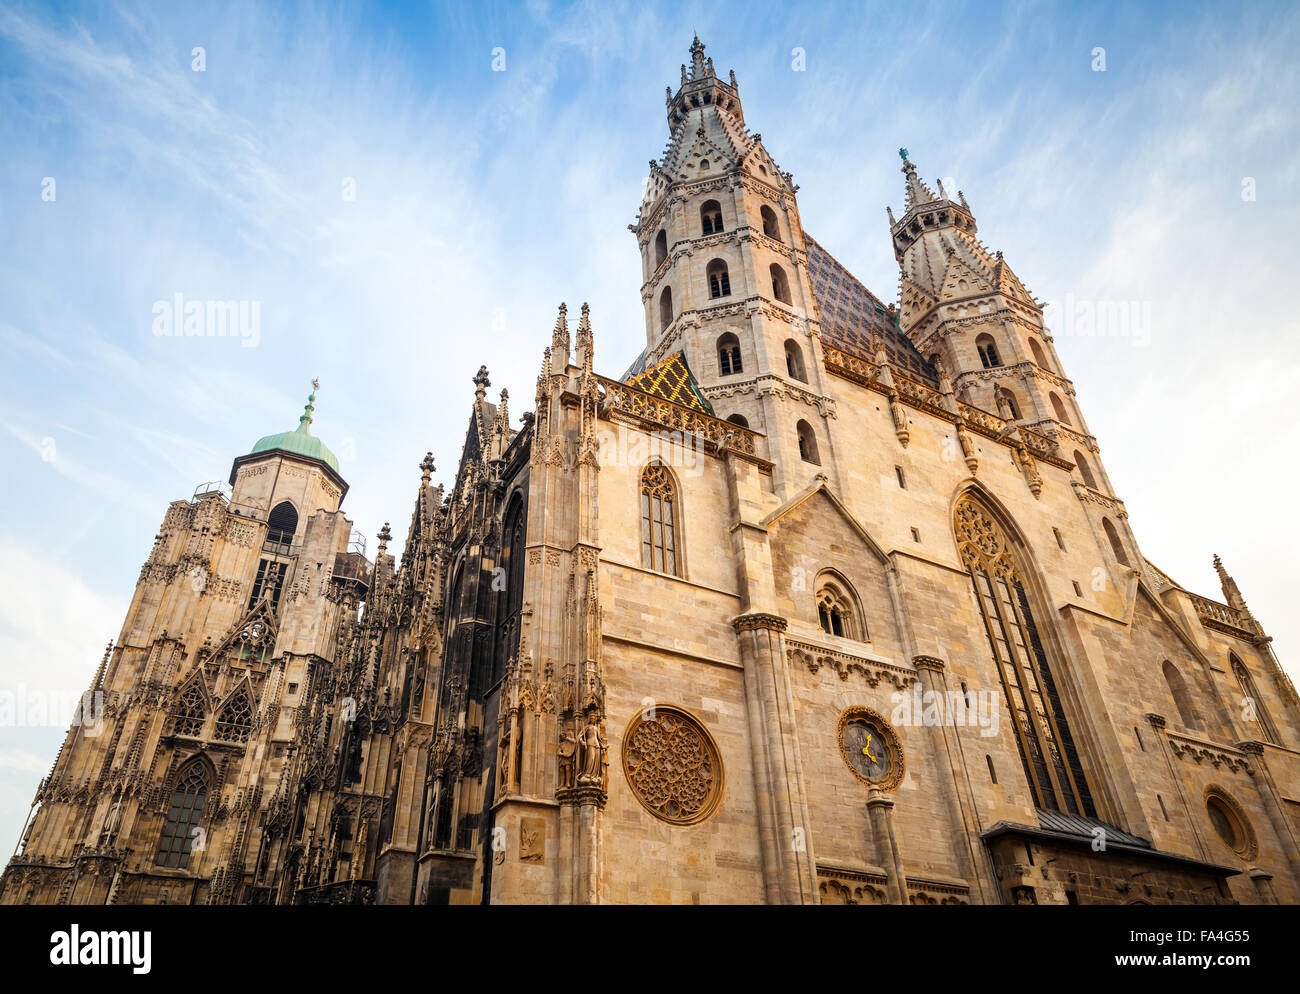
637, 367
1055, 821
1078, 831
854, 320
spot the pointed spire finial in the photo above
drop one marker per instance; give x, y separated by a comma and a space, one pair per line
699, 68
481, 383
426, 469
304, 422
584, 346
560, 338
385, 536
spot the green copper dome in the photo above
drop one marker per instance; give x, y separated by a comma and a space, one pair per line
300, 441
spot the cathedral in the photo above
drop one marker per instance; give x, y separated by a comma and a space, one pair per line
825, 600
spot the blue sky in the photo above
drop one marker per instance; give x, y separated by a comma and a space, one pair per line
484, 198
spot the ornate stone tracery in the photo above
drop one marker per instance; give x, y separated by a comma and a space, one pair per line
672, 765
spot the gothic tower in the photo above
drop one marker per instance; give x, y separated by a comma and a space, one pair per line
726, 280
968, 313
171, 781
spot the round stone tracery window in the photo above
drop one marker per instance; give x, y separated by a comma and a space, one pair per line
1230, 823
672, 765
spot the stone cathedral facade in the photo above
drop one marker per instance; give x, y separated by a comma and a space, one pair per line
824, 600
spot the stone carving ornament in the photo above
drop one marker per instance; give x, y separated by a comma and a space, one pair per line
672, 765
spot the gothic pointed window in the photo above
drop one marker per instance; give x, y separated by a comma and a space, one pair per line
661, 248
235, 719
740, 420
988, 351
511, 596
1187, 709
780, 283
189, 797
794, 361
190, 710
1046, 746
807, 443
666, 308
1009, 408
268, 582
1252, 710
1116, 546
1040, 356
658, 520
1084, 469
837, 612
770, 226
710, 217
729, 355
280, 527
1058, 408
719, 281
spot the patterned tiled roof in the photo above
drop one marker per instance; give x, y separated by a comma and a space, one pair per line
672, 380
854, 320
1162, 574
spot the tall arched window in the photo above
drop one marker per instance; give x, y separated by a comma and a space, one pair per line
1042, 733
661, 248
807, 443
235, 719
770, 226
1253, 711
719, 281
1058, 408
710, 217
1187, 709
1116, 546
729, 355
511, 599
1084, 469
189, 797
1040, 356
794, 361
666, 308
739, 420
281, 525
988, 351
837, 612
780, 284
658, 520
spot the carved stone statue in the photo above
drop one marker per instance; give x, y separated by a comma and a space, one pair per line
591, 748
568, 757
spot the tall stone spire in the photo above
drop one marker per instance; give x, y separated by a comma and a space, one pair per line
1231, 592
918, 194
560, 338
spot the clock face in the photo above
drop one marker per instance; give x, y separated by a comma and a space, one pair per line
870, 748
866, 749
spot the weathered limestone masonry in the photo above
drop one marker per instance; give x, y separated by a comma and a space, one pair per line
823, 600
